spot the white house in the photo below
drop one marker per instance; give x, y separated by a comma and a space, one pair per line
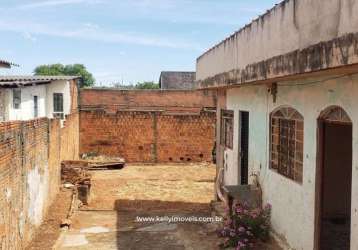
29, 97
6, 64
288, 116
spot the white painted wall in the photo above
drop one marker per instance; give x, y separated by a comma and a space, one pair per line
293, 203
26, 110
45, 101
58, 87
2, 104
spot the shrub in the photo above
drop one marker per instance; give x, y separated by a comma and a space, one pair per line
245, 227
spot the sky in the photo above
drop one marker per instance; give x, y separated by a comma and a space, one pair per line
119, 41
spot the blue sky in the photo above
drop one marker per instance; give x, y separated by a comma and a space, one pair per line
118, 40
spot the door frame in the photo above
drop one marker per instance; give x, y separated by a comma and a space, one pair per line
320, 150
239, 151
319, 181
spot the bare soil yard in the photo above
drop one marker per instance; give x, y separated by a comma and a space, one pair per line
49, 230
119, 196
166, 183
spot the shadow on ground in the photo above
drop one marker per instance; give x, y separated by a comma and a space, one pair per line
150, 230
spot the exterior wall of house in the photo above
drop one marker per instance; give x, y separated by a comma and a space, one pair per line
58, 87
293, 204
177, 80
3, 97
220, 149
26, 110
45, 100
275, 44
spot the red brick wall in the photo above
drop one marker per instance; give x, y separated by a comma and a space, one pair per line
54, 160
23, 157
74, 96
10, 181
70, 138
148, 125
168, 100
148, 136
30, 156
186, 138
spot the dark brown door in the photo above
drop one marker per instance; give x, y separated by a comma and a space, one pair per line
335, 185
244, 147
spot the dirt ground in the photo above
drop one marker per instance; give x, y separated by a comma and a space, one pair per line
118, 197
166, 183
48, 232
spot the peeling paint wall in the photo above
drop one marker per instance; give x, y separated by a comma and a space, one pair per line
38, 187
285, 41
293, 203
23, 180
30, 157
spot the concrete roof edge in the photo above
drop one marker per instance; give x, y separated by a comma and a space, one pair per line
261, 17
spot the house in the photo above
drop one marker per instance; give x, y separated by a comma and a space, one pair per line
288, 115
29, 97
6, 64
177, 80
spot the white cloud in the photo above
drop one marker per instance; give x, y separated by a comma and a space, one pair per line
94, 34
29, 36
52, 3
157, 4
91, 26
192, 11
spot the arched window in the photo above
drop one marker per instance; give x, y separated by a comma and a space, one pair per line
335, 114
286, 143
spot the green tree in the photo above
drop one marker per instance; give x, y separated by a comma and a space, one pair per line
67, 70
139, 85
146, 85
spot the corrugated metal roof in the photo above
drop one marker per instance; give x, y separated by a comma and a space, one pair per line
12, 84
18, 81
6, 64
36, 78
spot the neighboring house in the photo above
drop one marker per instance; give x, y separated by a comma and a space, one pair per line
29, 97
6, 64
288, 118
177, 80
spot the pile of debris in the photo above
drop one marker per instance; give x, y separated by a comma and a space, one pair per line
103, 162
75, 174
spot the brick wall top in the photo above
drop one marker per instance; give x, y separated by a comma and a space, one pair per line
166, 100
